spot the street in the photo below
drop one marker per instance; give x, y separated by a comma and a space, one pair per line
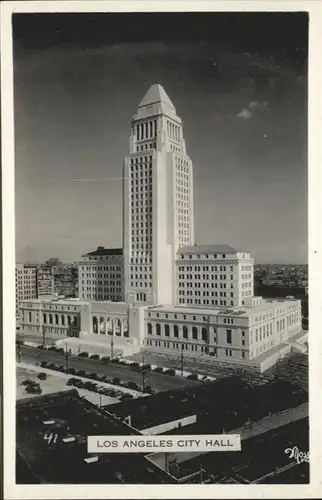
157, 381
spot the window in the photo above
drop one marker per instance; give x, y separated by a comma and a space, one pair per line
167, 330
158, 329
194, 332
51, 319
29, 317
204, 334
149, 329
228, 337
176, 331
185, 332
63, 320
45, 318
95, 323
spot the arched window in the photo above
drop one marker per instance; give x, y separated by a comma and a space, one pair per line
149, 329
102, 325
185, 332
63, 320
45, 318
158, 329
176, 331
195, 333
167, 330
69, 320
204, 334
56, 319
51, 319
95, 325
75, 321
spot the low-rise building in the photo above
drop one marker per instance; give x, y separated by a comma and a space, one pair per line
258, 332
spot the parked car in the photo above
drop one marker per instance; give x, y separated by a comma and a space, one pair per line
71, 371
170, 371
72, 381
192, 376
33, 389
81, 373
42, 376
94, 356
43, 364
132, 385
158, 369
106, 359
83, 355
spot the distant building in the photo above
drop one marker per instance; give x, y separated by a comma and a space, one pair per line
101, 275
65, 280
26, 285
45, 280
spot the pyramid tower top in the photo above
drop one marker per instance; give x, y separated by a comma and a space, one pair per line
156, 94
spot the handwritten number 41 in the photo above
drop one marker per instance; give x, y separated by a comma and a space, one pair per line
51, 438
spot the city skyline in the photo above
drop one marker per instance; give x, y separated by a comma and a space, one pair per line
73, 108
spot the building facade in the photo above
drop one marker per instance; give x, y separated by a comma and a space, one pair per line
101, 275
94, 327
45, 280
26, 285
213, 275
157, 200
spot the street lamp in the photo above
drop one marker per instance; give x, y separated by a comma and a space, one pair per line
181, 359
67, 354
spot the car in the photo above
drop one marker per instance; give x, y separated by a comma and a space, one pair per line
28, 382
33, 389
83, 355
94, 356
42, 376
106, 359
72, 381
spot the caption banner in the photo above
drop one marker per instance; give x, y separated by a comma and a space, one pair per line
144, 444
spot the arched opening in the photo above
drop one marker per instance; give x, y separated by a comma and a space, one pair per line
149, 329
56, 319
158, 329
51, 319
176, 331
167, 330
125, 329
185, 332
45, 318
118, 327
95, 325
69, 320
102, 326
63, 320
195, 333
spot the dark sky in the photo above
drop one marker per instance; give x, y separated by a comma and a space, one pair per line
239, 83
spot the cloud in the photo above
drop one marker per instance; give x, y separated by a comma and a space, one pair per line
253, 106
245, 114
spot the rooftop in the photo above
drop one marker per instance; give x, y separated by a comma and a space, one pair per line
101, 251
266, 305
221, 249
72, 419
156, 94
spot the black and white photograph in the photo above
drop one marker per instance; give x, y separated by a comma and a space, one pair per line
161, 248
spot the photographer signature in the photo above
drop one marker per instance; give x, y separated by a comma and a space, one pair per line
299, 456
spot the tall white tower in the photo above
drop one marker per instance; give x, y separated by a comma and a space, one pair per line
157, 200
